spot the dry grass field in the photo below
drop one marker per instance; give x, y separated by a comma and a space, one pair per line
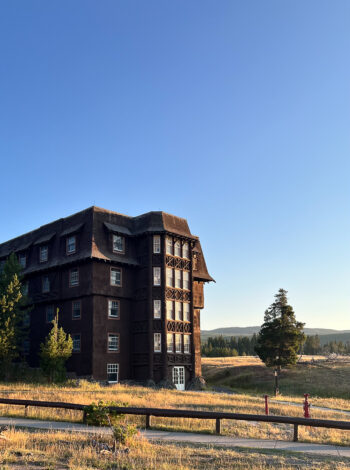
61, 451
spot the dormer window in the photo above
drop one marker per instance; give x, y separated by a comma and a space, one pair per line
43, 253
22, 260
118, 244
71, 245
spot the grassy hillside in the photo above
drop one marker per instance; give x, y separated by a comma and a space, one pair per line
321, 378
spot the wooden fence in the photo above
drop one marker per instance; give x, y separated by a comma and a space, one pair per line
176, 413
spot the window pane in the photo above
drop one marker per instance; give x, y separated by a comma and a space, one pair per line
187, 343
118, 243
186, 250
156, 276
112, 372
71, 245
156, 243
186, 280
76, 343
74, 277
178, 282
170, 277
170, 342
113, 342
113, 308
177, 248
178, 311
157, 308
115, 277
186, 311
43, 253
169, 246
22, 259
76, 309
50, 313
46, 284
157, 342
178, 343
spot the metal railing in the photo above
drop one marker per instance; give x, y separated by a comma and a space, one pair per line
176, 413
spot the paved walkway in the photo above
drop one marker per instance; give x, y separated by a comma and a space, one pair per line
193, 438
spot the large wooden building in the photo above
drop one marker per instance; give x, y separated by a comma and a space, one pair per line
129, 291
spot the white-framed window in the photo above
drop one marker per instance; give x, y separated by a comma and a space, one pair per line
186, 280
116, 277
177, 248
43, 253
156, 243
118, 243
113, 373
169, 246
186, 250
76, 309
71, 245
170, 314
22, 260
178, 343
178, 311
76, 342
186, 312
187, 344
50, 313
113, 308
169, 277
157, 342
156, 276
178, 280
113, 342
45, 284
74, 277
170, 342
157, 308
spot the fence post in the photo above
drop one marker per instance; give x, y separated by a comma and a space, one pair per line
266, 405
84, 416
295, 434
26, 410
148, 421
218, 426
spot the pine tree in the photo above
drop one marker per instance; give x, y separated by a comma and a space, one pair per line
13, 309
54, 352
280, 337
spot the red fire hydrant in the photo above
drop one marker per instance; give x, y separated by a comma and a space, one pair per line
306, 406
266, 405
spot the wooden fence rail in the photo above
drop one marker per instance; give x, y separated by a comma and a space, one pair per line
176, 413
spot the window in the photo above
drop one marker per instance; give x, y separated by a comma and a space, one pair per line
169, 277
50, 313
71, 245
186, 312
156, 243
76, 343
73, 277
187, 344
45, 284
43, 254
26, 320
169, 246
113, 308
170, 342
118, 244
113, 342
186, 280
186, 250
170, 309
178, 281
178, 343
178, 311
112, 373
177, 248
157, 308
76, 309
116, 277
22, 260
26, 346
25, 288
156, 277
157, 342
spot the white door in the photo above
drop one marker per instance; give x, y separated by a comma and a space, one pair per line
179, 377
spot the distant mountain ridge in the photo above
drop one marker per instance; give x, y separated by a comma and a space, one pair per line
250, 330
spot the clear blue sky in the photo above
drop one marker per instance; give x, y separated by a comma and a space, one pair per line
233, 114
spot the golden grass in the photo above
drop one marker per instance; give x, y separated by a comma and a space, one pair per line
61, 451
145, 397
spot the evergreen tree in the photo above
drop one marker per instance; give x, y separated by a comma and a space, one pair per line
54, 352
13, 309
280, 336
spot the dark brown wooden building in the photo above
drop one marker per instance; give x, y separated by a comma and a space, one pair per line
129, 291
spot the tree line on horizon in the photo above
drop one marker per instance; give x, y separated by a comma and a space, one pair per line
224, 346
